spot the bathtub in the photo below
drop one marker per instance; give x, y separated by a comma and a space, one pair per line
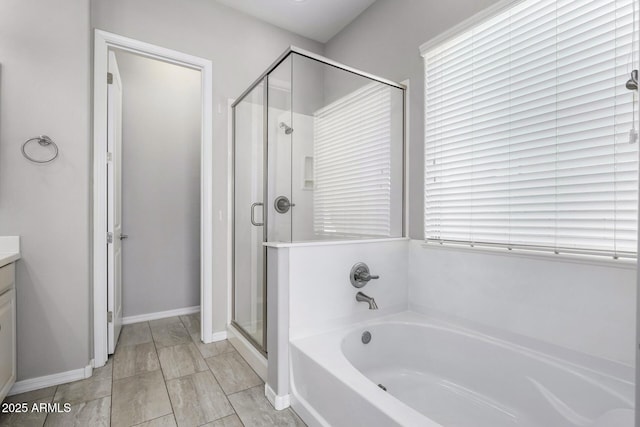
440, 374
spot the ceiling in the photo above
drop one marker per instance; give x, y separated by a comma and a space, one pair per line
319, 20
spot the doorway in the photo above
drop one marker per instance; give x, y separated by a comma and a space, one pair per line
151, 217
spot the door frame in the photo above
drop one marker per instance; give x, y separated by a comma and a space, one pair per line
103, 41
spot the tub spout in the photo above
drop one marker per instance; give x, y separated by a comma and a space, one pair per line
360, 297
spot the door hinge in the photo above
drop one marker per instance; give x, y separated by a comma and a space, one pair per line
109, 156
109, 316
109, 237
109, 78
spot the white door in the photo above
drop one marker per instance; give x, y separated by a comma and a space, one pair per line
114, 203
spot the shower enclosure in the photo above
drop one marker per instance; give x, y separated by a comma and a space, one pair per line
318, 155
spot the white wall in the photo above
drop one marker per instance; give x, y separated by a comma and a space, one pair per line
302, 146
241, 47
161, 185
309, 291
587, 307
384, 40
286, 169
44, 89
321, 295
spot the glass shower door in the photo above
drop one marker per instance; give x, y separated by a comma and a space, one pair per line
280, 132
249, 297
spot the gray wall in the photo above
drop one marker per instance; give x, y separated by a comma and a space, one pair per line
160, 185
44, 89
384, 40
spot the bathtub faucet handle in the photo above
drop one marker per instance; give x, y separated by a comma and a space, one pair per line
366, 276
360, 275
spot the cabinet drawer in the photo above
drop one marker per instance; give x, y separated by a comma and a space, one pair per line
7, 341
7, 277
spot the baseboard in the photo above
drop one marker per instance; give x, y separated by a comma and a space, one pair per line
88, 370
160, 315
50, 380
278, 402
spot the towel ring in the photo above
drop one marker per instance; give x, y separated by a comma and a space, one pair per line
44, 141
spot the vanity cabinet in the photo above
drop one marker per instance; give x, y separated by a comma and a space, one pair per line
7, 329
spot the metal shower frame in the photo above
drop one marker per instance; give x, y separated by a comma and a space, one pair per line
264, 78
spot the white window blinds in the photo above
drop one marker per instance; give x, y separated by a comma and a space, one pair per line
352, 164
527, 130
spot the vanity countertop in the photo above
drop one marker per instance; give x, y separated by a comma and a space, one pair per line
8, 258
9, 249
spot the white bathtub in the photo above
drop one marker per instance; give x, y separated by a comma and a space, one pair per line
439, 374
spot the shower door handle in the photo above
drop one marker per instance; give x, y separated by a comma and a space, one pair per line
253, 221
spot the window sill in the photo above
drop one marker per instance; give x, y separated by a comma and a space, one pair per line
624, 263
330, 242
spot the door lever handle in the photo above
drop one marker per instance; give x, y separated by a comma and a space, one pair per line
123, 236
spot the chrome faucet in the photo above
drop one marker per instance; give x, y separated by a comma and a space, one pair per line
360, 275
360, 297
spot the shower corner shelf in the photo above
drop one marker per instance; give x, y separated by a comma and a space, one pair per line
307, 173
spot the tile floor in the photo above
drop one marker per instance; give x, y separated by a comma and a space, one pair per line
160, 376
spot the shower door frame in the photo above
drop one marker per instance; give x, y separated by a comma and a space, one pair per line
265, 130
264, 77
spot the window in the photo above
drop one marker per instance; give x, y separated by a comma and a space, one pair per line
352, 163
529, 138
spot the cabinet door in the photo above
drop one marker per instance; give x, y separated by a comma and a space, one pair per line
7, 277
7, 342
